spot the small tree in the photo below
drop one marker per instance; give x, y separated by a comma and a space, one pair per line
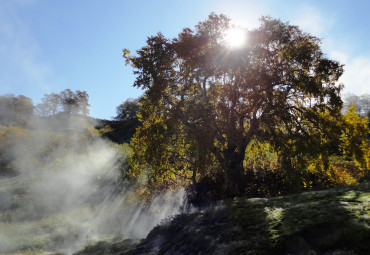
128, 110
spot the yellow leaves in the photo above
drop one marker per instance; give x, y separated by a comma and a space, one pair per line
13, 131
10, 135
104, 130
128, 58
201, 108
345, 172
307, 185
356, 124
260, 155
354, 138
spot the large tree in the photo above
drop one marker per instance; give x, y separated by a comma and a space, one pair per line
204, 102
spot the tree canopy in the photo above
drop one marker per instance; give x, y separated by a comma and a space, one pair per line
361, 103
65, 101
15, 110
128, 110
204, 102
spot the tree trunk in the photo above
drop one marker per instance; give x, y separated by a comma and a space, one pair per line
234, 174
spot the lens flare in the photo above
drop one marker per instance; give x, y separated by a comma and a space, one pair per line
235, 37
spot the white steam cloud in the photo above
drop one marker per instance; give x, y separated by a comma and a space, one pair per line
67, 192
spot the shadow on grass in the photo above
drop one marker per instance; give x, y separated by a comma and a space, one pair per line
324, 222
221, 230
327, 222
188, 234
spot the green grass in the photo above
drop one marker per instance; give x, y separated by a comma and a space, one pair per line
320, 221
40, 233
46, 234
334, 221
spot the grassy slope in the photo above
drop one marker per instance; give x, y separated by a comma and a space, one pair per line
28, 228
34, 233
335, 221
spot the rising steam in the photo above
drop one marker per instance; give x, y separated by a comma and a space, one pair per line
67, 192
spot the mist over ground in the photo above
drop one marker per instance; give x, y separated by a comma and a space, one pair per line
66, 190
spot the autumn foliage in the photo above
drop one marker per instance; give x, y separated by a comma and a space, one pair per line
263, 118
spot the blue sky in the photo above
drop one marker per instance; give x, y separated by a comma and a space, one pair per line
48, 46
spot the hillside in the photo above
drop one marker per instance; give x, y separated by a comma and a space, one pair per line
334, 221
116, 131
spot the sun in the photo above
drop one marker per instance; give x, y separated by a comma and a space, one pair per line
235, 37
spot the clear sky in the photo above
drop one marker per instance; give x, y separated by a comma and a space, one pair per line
48, 46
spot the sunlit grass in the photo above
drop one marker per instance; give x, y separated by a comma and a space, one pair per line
39, 235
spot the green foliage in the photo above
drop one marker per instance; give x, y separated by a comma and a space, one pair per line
204, 103
123, 157
263, 170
